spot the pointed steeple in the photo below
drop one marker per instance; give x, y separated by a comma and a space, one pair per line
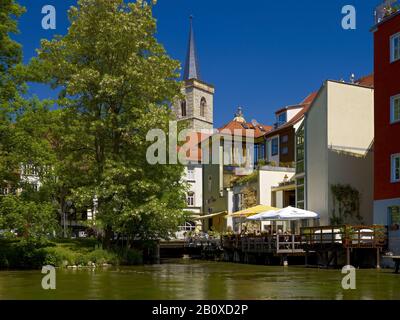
192, 70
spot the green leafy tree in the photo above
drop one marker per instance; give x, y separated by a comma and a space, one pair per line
11, 85
23, 139
30, 220
116, 84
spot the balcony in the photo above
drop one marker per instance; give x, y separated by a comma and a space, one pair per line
386, 9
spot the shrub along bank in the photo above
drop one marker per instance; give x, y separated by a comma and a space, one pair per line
20, 254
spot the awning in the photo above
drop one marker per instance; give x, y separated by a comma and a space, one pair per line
212, 215
251, 211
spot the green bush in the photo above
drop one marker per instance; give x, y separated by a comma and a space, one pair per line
56, 256
100, 256
29, 255
131, 257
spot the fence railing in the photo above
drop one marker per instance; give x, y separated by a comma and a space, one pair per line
264, 244
347, 236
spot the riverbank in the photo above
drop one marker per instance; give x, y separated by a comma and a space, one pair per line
18, 254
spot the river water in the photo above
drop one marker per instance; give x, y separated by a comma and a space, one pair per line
187, 279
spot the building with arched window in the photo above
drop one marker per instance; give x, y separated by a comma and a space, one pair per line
203, 107
197, 109
183, 109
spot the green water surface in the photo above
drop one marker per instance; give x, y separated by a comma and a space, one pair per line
180, 279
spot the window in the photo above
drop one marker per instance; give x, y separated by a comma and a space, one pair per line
238, 202
256, 147
285, 139
300, 150
300, 193
203, 106
275, 147
259, 152
395, 109
395, 47
396, 168
281, 118
394, 218
285, 150
190, 173
183, 108
190, 199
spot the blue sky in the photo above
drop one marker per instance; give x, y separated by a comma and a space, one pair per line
258, 54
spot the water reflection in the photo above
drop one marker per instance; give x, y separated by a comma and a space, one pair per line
200, 280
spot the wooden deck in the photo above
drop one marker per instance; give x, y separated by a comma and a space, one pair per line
327, 246
327, 243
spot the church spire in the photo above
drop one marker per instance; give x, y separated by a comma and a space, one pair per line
192, 70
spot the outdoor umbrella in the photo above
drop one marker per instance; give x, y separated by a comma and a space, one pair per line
251, 211
286, 214
260, 216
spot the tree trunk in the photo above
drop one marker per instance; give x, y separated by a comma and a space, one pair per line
107, 237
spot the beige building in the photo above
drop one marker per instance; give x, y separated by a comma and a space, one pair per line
334, 157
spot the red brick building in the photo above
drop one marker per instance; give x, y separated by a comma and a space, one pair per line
387, 125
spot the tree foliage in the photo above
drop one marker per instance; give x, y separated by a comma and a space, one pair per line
24, 128
116, 82
10, 85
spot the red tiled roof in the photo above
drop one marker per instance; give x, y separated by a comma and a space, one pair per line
367, 81
310, 98
236, 127
193, 145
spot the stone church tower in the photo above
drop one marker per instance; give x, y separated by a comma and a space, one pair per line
198, 106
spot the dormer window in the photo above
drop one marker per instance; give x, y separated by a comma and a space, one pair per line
281, 118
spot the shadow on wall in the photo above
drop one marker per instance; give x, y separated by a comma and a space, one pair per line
351, 184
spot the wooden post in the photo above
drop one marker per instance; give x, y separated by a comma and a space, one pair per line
285, 261
348, 256
293, 245
378, 258
157, 253
277, 243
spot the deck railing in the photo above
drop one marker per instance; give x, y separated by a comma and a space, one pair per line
346, 236
264, 244
288, 244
